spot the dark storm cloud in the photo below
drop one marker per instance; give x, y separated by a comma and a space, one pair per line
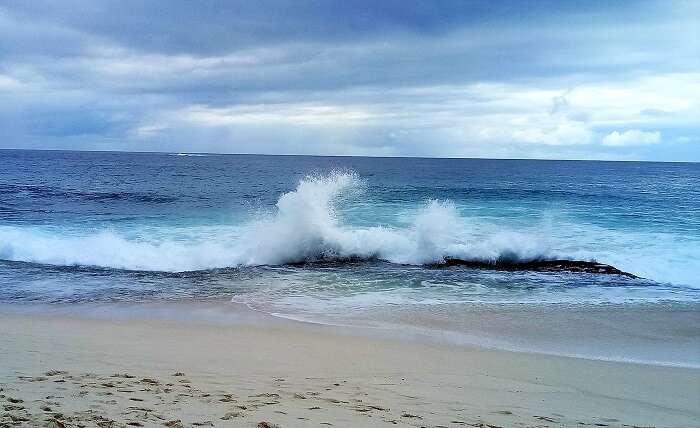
215, 27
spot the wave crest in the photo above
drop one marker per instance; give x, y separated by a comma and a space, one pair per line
305, 227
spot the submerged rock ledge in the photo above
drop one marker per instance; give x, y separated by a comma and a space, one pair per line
538, 265
560, 265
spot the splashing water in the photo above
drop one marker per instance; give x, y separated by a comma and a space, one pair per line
305, 227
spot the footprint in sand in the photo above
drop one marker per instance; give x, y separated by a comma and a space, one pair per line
267, 395
123, 375
12, 407
231, 415
335, 401
227, 398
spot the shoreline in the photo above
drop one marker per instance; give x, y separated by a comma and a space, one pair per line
345, 378
629, 333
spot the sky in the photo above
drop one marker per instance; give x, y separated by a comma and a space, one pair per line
616, 80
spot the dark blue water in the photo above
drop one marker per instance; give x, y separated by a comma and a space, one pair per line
88, 226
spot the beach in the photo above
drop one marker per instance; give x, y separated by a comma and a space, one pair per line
69, 370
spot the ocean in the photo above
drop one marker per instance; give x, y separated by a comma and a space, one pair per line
345, 240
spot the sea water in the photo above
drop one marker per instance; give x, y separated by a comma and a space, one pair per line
340, 239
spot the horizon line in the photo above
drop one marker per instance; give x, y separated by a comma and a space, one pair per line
339, 156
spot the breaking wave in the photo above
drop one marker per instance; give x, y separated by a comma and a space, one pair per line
304, 227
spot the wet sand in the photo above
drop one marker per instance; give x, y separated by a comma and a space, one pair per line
58, 370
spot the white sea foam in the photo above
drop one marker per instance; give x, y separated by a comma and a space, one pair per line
306, 227
108, 250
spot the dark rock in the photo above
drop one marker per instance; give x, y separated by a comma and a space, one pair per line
538, 266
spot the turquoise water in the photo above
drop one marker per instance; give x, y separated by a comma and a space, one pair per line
314, 235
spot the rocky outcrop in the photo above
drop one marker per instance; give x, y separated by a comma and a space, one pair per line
539, 266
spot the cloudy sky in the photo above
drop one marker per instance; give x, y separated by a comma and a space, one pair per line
508, 79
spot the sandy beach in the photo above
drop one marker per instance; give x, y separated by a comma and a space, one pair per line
59, 370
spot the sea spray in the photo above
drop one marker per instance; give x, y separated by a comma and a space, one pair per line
304, 227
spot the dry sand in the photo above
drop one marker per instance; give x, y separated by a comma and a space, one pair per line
67, 371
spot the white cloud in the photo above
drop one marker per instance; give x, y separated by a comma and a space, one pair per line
566, 132
8, 83
302, 114
632, 137
445, 120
